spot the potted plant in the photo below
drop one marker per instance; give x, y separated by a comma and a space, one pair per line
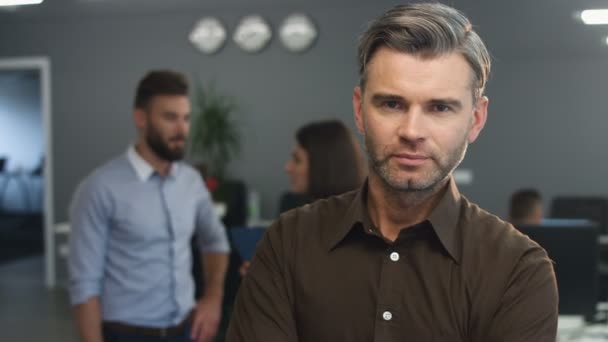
215, 140
214, 136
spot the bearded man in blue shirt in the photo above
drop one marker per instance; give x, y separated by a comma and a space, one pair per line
132, 222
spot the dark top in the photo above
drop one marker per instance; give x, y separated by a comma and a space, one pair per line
324, 273
290, 200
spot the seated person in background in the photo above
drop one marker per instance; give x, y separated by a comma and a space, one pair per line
526, 207
325, 161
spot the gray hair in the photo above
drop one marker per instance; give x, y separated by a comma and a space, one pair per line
428, 30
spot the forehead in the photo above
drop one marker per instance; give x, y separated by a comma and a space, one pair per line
390, 70
175, 103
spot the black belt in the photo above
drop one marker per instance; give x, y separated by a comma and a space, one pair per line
149, 331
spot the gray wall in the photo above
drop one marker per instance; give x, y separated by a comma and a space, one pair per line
544, 130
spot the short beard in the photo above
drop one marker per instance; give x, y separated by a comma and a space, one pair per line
162, 149
429, 184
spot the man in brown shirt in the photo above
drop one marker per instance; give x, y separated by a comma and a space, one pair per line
406, 257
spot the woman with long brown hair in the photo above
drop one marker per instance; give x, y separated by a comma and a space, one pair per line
325, 161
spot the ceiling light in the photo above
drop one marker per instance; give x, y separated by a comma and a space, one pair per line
19, 2
595, 16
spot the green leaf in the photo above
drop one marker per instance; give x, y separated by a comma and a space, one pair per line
214, 136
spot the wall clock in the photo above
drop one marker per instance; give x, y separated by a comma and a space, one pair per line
298, 32
208, 35
252, 33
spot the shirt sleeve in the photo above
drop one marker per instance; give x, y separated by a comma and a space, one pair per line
264, 306
529, 307
89, 220
210, 231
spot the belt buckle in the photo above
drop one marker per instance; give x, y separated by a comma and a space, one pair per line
163, 332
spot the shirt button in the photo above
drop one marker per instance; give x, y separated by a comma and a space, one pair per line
387, 315
395, 256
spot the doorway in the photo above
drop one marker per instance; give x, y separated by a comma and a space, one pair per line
26, 191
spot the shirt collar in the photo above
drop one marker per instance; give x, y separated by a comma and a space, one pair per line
142, 168
444, 219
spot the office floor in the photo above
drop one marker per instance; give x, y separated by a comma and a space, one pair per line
30, 312
21, 235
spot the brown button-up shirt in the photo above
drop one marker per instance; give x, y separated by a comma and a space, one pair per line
324, 273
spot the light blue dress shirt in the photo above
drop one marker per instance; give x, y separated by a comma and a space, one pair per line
130, 240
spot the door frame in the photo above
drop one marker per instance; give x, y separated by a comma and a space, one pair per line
43, 65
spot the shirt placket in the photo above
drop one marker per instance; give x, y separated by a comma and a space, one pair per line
171, 224
388, 313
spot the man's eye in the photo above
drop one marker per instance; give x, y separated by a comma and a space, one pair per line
392, 104
441, 108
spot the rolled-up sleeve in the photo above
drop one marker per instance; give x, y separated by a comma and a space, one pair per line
210, 231
89, 220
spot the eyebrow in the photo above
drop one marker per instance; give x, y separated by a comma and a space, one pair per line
382, 97
174, 113
448, 102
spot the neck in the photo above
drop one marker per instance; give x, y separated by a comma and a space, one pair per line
158, 164
392, 210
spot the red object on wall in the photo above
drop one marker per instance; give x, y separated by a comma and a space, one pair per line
212, 183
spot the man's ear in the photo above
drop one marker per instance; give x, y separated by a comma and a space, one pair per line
480, 115
358, 108
140, 118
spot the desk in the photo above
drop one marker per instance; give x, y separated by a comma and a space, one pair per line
571, 328
574, 329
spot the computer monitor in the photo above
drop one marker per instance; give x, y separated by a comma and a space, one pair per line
582, 207
574, 248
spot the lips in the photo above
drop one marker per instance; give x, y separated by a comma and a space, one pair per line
410, 159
